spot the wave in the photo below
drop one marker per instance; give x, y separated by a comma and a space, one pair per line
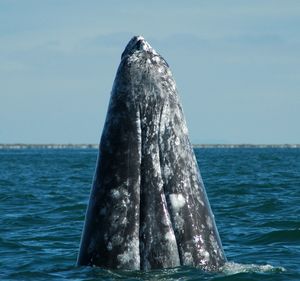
278, 236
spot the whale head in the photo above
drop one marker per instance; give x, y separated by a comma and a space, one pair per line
137, 44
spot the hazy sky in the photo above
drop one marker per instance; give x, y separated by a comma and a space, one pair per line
236, 64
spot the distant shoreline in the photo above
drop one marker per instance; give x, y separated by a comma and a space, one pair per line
95, 146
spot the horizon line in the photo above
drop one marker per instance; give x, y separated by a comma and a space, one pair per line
96, 146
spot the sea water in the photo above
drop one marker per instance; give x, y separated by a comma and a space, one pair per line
254, 194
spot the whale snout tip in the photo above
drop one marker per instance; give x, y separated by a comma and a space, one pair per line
138, 43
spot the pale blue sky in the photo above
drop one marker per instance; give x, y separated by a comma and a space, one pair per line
236, 64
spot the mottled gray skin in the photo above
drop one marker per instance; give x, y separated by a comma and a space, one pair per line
148, 206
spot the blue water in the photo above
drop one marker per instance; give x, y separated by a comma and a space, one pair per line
254, 193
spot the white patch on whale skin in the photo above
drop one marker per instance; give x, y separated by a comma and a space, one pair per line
214, 244
145, 45
204, 254
115, 193
179, 222
173, 86
109, 246
185, 129
165, 216
167, 171
209, 222
130, 256
156, 59
116, 240
133, 58
169, 73
198, 238
170, 236
160, 70
201, 202
124, 221
187, 258
177, 201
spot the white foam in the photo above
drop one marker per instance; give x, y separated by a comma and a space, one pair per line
231, 268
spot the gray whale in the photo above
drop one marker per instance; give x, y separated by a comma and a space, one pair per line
148, 208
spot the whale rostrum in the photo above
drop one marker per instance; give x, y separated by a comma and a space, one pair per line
148, 207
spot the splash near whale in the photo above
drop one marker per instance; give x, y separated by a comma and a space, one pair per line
148, 208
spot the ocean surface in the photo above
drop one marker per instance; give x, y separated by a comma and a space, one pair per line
254, 193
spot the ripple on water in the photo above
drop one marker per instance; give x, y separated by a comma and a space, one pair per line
254, 196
